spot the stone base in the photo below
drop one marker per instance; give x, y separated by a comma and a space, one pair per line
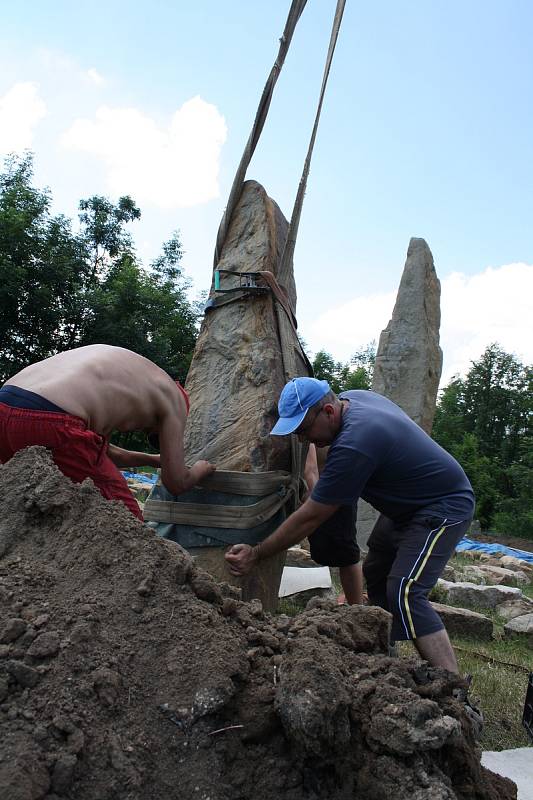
262, 584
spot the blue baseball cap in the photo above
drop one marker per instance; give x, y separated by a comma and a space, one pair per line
295, 401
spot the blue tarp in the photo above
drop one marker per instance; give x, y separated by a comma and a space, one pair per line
485, 547
151, 479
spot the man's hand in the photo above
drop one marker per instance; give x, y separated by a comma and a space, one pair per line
241, 559
201, 470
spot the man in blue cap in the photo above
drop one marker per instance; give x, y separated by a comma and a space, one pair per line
425, 499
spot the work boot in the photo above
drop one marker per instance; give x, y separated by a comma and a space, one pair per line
473, 713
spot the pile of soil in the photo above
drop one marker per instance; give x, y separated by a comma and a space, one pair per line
127, 673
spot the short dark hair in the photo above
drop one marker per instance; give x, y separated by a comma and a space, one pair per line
330, 397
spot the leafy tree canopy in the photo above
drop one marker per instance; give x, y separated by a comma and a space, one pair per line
60, 289
486, 421
354, 374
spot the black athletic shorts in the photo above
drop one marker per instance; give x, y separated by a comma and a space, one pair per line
334, 543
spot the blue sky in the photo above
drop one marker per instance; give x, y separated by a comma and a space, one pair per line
427, 130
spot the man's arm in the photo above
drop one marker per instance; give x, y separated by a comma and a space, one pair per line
242, 558
130, 458
176, 476
310, 471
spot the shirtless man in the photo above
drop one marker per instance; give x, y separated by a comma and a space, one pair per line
71, 403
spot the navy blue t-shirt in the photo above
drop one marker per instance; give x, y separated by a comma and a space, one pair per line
381, 455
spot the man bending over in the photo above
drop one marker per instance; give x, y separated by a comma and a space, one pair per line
426, 502
71, 403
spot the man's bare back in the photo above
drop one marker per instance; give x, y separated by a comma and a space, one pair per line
111, 388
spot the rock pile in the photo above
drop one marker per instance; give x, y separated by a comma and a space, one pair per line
127, 673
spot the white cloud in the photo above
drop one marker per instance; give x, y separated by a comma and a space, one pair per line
173, 166
342, 330
21, 109
95, 77
495, 305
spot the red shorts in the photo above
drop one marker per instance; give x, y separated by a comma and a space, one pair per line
78, 452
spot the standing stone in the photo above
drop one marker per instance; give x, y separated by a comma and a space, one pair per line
238, 371
409, 359
236, 375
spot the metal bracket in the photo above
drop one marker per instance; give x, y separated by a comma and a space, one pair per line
247, 282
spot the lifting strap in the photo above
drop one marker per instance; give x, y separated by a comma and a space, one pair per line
286, 318
275, 489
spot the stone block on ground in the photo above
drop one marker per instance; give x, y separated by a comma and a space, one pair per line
493, 559
299, 557
449, 574
517, 564
500, 576
470, 595
515, 608
474, 555
473, 574
520, 626
464, 622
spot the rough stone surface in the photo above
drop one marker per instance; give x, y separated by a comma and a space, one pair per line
464, 622
236, 374
171, 695
517, 564
449, 574
520, 626
409, 359
515, 608
299, 557
238, 371
497, 576
469, 595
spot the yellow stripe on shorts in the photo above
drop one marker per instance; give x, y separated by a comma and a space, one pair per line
412, 580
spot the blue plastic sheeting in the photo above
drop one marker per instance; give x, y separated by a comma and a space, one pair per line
485, 547
151, 479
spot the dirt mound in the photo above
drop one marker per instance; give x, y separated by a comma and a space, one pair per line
127, 673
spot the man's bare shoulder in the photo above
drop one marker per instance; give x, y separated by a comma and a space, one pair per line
110, 387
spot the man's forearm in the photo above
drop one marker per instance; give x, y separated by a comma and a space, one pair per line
130, 458
293, 530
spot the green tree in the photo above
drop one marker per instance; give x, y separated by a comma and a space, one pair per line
497, 403
514, 511
43, 268
485, 421
354, 374
146, 311
60, 290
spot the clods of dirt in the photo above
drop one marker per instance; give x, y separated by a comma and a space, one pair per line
126, 673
